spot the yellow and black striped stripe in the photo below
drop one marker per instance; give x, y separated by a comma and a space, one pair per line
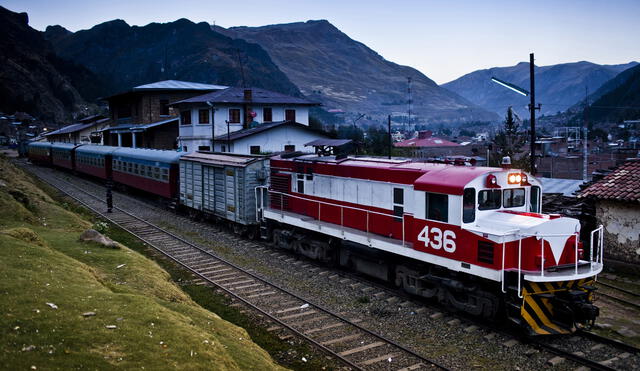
537, 309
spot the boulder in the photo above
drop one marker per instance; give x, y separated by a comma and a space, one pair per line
97, 237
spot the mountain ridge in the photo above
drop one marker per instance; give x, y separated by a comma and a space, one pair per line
342, 73
558, 87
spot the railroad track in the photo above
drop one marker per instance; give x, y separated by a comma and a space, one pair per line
624, 292
595, 352
355, 346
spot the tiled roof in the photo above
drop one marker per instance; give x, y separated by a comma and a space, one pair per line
623, 184
258, 96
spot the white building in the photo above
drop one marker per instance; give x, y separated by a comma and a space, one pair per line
283, 136
231, 110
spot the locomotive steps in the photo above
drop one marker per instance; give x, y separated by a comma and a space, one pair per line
454, 340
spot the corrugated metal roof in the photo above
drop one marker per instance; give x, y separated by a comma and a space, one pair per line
178, 85
221, 159
565, 186
258, 96
148, 154
96, 149
61, 145
70, 129
426, 142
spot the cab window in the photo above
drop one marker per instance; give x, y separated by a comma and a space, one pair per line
489, 199
513, 197
534, 207
437, 207
469, 205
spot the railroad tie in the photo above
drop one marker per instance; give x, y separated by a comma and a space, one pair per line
324, 328
412, 367
261, 294
291, 316
378, 359
341, 340
362, 348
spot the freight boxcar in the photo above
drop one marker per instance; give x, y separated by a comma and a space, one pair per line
62, 154
95, 160
150, 170
223, 185
39, 153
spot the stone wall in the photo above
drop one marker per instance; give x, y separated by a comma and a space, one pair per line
622, 229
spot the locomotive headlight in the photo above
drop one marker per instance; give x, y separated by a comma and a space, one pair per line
518, 178
512, 179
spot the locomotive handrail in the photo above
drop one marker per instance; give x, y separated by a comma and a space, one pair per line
342, 207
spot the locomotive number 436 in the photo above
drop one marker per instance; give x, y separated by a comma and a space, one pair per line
438, 239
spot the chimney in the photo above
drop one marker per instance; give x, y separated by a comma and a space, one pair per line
424, 134
247, 95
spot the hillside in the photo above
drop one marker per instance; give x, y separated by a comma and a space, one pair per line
127, 56
558, 87
33, 79
75, 305
622, 102
330, 67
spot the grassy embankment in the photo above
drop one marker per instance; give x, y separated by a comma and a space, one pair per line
157, 326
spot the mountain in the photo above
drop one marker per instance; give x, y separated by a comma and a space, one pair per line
330, 67
32, 78
127, 56
622, 102
558, 87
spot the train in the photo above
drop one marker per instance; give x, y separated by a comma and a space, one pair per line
472, 238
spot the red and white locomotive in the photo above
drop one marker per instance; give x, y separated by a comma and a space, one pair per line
472, 237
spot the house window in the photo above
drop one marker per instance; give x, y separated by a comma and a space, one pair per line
203, 116
203, 148
437, 207
267, 114
164, 107
234, 115
185, 117
289, 148
290, 115
254, 150
124, 111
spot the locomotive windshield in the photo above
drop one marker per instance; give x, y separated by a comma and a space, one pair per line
513, 197
489, 199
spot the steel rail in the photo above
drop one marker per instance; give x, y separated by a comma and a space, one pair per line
264, 281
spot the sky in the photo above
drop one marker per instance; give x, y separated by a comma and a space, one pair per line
442, 39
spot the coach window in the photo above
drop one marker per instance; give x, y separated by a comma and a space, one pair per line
489, 199
469, 205
437, 207
398, 204
165, 175
535, 199
513, 197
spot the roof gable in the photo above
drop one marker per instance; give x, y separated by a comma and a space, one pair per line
237, 96
262, 128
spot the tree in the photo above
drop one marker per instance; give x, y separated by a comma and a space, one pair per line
510, 140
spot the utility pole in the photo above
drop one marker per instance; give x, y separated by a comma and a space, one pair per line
532, 109
585, 146
409, 99
389, 133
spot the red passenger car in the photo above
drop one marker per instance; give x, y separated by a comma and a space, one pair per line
62, 154
95, 160
150, 170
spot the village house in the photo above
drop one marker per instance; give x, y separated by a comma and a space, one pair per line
617, 205
142, 116
425, 145
245, 120
82, 132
